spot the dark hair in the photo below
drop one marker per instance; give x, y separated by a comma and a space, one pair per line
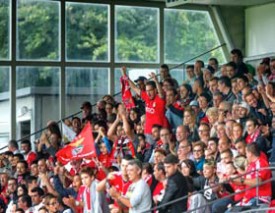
19, 210
237, 52
254, 149
215, 60
26, 142
191, 165
201, 62
190, 67
39, 191
25, 190
253, 120
171, 159
26, 199
20, 156
232, 64
157, 126
88, 170
76, 118
165, 66
142, 136
225, 80
244, 78
151, 83
25, 163
31, 178
54, 129
148, 168
160, 166
228, 151
215, 139
128, 157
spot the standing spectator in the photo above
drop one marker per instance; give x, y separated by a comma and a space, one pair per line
176, 187
155, 104
237, 57
191, 77
136, 200
174, 112
165, 74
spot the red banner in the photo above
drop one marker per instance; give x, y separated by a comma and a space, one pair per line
126, 94
81, 147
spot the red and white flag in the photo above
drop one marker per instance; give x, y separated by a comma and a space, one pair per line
126, 94
81, 147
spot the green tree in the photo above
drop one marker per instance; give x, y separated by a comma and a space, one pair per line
4, 28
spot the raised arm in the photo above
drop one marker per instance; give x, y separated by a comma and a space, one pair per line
159, 88
126, 125
111, 134
131, 83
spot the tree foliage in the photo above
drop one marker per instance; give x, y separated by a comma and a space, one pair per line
4, 29
187, 34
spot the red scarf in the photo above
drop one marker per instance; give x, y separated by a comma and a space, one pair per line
88, 198
252, 138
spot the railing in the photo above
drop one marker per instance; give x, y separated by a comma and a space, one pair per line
219, 184
70, 116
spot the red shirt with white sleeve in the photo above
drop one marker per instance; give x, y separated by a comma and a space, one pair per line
265, 174
155, 112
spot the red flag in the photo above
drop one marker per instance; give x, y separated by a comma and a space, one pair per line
81, 147
126, 94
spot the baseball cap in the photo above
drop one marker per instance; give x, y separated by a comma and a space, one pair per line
194, 103
141, 78
244, 105
86, 104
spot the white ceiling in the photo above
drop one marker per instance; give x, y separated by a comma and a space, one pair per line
171, 3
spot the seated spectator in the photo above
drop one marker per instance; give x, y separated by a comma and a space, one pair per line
253, 177
198, 153
29, 155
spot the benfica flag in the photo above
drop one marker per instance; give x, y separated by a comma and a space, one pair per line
81, 147
126, 94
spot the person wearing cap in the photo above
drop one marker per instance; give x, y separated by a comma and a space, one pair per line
243, 112
176, 187
140, 81
195, 106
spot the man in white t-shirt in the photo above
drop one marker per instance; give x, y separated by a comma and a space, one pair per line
138, 195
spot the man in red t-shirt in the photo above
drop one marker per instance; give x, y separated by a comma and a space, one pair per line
153, 97
253, 172
117, 179
29, 155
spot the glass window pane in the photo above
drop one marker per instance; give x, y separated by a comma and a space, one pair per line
4, 106
37, 98
38, 30
136, 34
188, 34
87, 33
5, 29
84, 84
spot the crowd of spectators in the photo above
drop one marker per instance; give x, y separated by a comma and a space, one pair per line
184, 145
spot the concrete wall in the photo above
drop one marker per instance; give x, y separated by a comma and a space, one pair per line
260, 30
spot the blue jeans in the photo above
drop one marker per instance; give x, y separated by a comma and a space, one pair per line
220, 205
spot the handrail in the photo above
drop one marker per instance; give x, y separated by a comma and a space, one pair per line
218, 184
41, 130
